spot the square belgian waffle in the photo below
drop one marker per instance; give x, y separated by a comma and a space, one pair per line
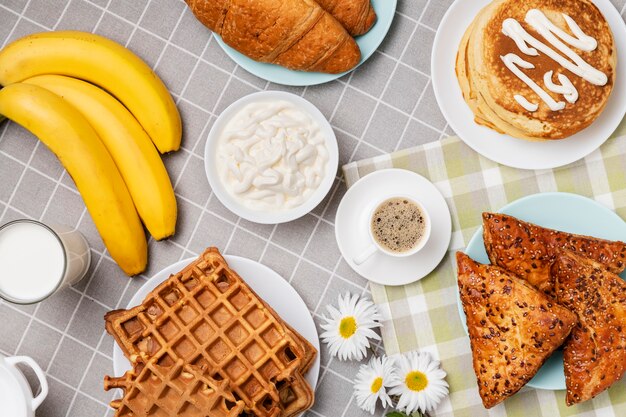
207, 316
177, 390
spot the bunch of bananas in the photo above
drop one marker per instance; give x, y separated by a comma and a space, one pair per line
104, 113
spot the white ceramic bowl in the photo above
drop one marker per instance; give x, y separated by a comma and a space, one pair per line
264, 216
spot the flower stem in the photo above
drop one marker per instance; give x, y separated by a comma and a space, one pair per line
373, 350
399, 414
394, 401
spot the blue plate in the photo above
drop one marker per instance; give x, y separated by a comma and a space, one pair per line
561, 211
385, 10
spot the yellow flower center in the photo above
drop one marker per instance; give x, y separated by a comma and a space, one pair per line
416, 381
347, 327
376, 385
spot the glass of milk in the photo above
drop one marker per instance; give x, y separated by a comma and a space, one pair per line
38, 260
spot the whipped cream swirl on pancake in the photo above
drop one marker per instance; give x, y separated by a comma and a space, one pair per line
513, 63
530, 45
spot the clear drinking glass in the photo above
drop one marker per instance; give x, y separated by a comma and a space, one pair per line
38, 260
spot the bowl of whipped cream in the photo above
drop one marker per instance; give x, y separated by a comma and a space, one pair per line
271, 157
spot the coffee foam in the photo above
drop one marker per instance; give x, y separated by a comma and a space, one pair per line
398, 224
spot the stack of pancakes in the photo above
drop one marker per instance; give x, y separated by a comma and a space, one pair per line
490, 87
204, 344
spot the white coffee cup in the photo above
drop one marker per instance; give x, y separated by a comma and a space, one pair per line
375, 247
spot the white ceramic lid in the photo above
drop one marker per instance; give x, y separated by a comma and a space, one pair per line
11, 395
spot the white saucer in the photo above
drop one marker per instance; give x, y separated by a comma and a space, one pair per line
351, 226
505, 149
270, 286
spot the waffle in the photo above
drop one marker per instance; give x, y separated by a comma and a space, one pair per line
207, 316
309, 350
177, 390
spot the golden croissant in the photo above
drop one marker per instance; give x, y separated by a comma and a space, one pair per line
297, 34
357, 16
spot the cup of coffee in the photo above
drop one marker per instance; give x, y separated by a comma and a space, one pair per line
398, 226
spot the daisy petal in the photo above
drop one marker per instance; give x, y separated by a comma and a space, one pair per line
349, 328
420, 383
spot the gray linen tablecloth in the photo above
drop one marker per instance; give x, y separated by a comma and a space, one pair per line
385, 105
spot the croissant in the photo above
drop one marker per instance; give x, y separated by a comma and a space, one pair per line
357, 16
297, 34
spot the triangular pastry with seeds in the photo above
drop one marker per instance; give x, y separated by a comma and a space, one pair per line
529, 250
595, 354
513, 327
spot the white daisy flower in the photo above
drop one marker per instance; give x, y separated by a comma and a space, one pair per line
420, 385
349, 328
372, 381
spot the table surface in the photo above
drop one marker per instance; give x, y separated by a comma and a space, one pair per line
385, 105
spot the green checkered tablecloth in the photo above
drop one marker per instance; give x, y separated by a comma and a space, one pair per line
424, 315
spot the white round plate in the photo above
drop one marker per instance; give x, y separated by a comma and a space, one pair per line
352, 222
504, 149
261, 216
368, 43
270, 286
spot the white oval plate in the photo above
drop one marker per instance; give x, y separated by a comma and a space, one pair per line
351, 225
270, 286
261, 216
368, 43
504, 149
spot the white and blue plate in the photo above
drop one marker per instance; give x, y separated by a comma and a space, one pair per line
270, 286
368, 43
560, 211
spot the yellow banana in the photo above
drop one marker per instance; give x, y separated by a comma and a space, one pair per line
70, 136
129, 145
102, 62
